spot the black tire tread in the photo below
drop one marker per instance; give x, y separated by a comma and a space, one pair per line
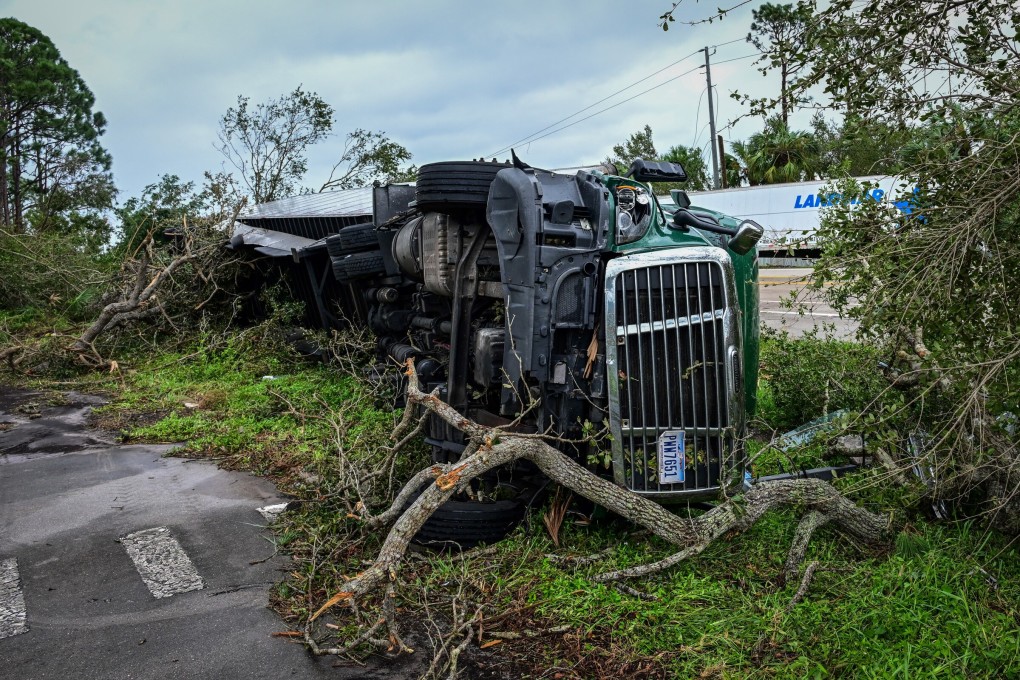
450, 183
358, 265
334, 247
468, 523
359, 237
352, 239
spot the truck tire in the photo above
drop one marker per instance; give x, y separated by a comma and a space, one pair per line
358, 266
352, 239
359, 237
452, 184
466, 523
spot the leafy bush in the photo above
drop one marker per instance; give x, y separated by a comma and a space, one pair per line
804, 378
50, 271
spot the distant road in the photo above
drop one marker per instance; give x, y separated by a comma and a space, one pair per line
776, 285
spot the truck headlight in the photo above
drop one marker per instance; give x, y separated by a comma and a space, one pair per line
627, 230
633, 213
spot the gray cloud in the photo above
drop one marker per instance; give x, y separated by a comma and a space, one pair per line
446, 79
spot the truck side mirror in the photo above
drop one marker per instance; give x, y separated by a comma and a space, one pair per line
656, 171
680, 197
748, 234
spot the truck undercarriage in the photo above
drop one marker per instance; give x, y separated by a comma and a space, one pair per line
562, 304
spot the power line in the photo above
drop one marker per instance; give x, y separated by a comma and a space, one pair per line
697, 116
529, 139
728, 43
746, 56
698, 136
600, 111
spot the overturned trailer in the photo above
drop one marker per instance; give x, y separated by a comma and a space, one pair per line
557, 303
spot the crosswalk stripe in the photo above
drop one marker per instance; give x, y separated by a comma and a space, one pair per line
13, 616
162, 562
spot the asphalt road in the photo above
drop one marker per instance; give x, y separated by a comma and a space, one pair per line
116, 562
777, 285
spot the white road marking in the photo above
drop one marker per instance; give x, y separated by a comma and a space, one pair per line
795, 313
271, 512
13, 617
162, 562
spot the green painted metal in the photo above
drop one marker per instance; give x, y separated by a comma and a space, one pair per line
745, 268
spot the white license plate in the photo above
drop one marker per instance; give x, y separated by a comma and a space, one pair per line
672, 459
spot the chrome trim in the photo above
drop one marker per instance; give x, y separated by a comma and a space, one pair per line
716, 415
666, 324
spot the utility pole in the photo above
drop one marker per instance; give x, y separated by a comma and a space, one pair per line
722, 163
711, 123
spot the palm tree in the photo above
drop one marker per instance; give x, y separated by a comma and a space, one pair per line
778, 154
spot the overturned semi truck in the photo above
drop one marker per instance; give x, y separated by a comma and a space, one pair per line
571, 298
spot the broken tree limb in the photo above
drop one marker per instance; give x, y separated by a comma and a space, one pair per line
137, 298
491, 447
809, 523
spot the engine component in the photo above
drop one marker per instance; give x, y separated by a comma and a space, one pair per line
429, 248
407, 249
488, 360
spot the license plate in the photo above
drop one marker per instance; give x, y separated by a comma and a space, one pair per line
672, 459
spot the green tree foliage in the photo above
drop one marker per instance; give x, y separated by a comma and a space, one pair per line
169, 205
778, 154
938, 286
369, 156
810, 376
54, 174
268, 145
694, 163
778, 31
733, 175
638, 145
859, 146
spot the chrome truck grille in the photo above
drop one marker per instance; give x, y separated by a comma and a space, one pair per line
674, 370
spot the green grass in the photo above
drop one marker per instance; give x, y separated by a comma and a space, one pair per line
934, 613
940, 601
251, 404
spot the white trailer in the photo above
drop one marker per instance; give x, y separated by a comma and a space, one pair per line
790, 213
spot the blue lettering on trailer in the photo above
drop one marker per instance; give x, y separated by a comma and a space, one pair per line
823, 201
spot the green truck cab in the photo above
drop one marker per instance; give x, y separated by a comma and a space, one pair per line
573, 304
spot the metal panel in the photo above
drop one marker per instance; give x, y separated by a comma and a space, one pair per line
326, 204
312, 216
672, 333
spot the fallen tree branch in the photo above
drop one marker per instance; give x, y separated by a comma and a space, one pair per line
809, 523
490, 448
805, 583
525, 634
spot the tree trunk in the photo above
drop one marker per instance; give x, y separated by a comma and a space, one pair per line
784, 94
16, 216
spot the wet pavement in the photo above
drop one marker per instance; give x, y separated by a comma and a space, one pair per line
118, 562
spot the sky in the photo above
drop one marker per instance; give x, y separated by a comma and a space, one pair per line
449, 80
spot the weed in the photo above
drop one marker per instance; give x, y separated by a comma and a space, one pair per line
807, 377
